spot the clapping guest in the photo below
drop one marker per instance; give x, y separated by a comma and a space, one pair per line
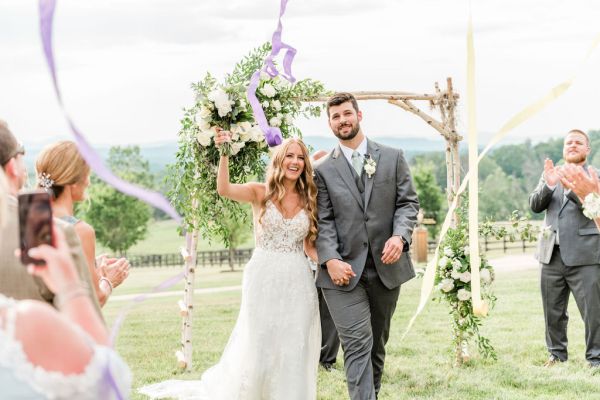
568, 251
50, 354
64, 173
15, 282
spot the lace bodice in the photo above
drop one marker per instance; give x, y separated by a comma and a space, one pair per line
276, 233
22, 377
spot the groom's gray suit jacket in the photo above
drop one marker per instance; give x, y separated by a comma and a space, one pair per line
351, 222
579, 237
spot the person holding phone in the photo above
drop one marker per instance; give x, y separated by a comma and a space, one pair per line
15, 282
65, 175
56, 354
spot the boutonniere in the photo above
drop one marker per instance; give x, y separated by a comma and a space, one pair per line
370, 165
591, 206
546, 231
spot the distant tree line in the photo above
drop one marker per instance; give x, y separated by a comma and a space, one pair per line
506, 176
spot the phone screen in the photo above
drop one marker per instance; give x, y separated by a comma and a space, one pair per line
35, 222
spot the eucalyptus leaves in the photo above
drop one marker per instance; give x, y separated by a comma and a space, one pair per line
224, 105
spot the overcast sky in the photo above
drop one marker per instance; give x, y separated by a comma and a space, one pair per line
125, 66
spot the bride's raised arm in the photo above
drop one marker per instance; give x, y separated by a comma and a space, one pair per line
251, 192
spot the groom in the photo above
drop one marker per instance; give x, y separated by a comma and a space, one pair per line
367, 208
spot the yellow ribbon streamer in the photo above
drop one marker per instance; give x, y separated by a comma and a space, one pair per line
479, 307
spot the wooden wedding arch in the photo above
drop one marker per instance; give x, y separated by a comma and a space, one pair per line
444, 101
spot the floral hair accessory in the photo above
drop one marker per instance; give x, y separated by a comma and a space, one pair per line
45, 181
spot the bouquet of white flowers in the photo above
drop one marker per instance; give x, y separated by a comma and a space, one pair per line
225, 105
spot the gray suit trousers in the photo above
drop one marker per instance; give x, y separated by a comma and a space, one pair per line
362, 317
330, 341
557, 281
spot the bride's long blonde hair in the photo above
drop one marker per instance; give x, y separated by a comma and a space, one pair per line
305, 185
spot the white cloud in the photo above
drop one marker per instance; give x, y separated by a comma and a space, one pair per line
125, 66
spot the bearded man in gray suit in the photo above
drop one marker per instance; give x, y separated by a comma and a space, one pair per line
569, 254
367, 209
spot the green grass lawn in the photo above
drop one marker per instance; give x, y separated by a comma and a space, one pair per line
419, 367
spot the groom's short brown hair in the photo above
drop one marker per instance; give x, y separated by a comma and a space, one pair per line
340, 98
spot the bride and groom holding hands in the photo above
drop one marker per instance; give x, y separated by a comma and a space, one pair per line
353, 215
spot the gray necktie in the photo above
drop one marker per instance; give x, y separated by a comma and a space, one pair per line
357, 163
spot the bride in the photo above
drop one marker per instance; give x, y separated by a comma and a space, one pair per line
273, 351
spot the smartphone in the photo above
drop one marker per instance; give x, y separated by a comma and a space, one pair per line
35, 223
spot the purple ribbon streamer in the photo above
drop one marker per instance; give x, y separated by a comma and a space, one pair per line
46, 8
272, 134
155, 199
108, 377
138, 299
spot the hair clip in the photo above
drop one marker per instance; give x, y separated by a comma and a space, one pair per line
45, 181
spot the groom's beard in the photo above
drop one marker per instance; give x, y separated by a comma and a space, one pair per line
348, 136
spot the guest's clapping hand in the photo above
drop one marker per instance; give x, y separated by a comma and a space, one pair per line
392, 250
575, 178
222, 136
116, 270
551, 173
340, 272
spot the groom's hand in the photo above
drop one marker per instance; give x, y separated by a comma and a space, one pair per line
392, 250
340, 272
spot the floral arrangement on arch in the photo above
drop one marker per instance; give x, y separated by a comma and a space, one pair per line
224, 105
453, 278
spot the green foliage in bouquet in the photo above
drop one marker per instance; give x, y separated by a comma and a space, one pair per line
453, 277
192, 178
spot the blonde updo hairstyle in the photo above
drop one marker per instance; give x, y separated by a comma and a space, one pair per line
61, 163
305, 185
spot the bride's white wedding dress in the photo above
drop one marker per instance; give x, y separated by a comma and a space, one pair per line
273, 351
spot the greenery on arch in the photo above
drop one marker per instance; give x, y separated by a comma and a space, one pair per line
192, 179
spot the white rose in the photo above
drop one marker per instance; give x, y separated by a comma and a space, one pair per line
236, 147
268, 90
443, 261
204, 113
456, 264
455, 274
369, 169
447, 285
289, 119
465, 277
485, 275
204, 125
204, 138
463, 294
222, 101
467, 250
276, 104
245, 135
265, 104
235, 136
257, 134
275, 121
448, 252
